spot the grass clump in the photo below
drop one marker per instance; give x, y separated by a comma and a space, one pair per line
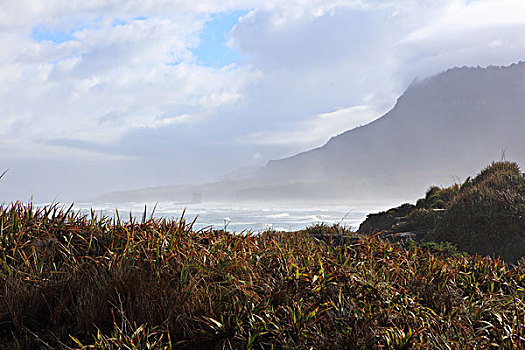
88, 282
333, 234
321, 230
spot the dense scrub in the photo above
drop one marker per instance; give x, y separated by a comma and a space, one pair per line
485, 215
72, 281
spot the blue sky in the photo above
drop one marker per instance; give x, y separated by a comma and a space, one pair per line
57, 35
213, 49
163, 92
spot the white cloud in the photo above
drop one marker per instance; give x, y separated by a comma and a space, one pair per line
160, 122
318, 130
366, 54
128, 77
110, 79
27, 150
483, 32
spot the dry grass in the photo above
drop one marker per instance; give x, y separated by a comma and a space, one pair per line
72, 281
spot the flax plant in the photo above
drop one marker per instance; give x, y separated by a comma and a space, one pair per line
82, 281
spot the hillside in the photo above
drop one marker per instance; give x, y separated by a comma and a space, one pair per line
442, 128
447, 125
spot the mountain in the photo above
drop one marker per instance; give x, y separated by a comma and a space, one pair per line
442, 127
439, 131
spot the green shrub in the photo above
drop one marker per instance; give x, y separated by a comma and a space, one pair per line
487, 216
437, 197
325, 229
445, 249
422, 220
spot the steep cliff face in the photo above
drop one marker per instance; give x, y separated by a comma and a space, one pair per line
447, 125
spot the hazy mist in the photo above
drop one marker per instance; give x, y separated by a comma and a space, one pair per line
97, 98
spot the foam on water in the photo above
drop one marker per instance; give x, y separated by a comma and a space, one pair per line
276, 216
252, 218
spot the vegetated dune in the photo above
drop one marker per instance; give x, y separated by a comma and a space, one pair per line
73, 281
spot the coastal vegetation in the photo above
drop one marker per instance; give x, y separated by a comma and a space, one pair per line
483, 215
73, 280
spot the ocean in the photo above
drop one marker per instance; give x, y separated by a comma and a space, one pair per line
240, 217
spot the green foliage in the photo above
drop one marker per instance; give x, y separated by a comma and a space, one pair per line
484, 215
446, 249
487, 216
423, 219
437, 197
325, 229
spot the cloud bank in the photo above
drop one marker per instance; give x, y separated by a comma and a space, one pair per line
126, 88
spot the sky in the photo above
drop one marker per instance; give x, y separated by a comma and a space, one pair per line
105, 95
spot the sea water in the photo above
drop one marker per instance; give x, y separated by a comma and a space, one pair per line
239, 217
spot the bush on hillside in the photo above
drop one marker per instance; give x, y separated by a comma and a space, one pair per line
437, 197
487, 216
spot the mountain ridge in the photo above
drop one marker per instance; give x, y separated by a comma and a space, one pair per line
462, 115
441, 129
